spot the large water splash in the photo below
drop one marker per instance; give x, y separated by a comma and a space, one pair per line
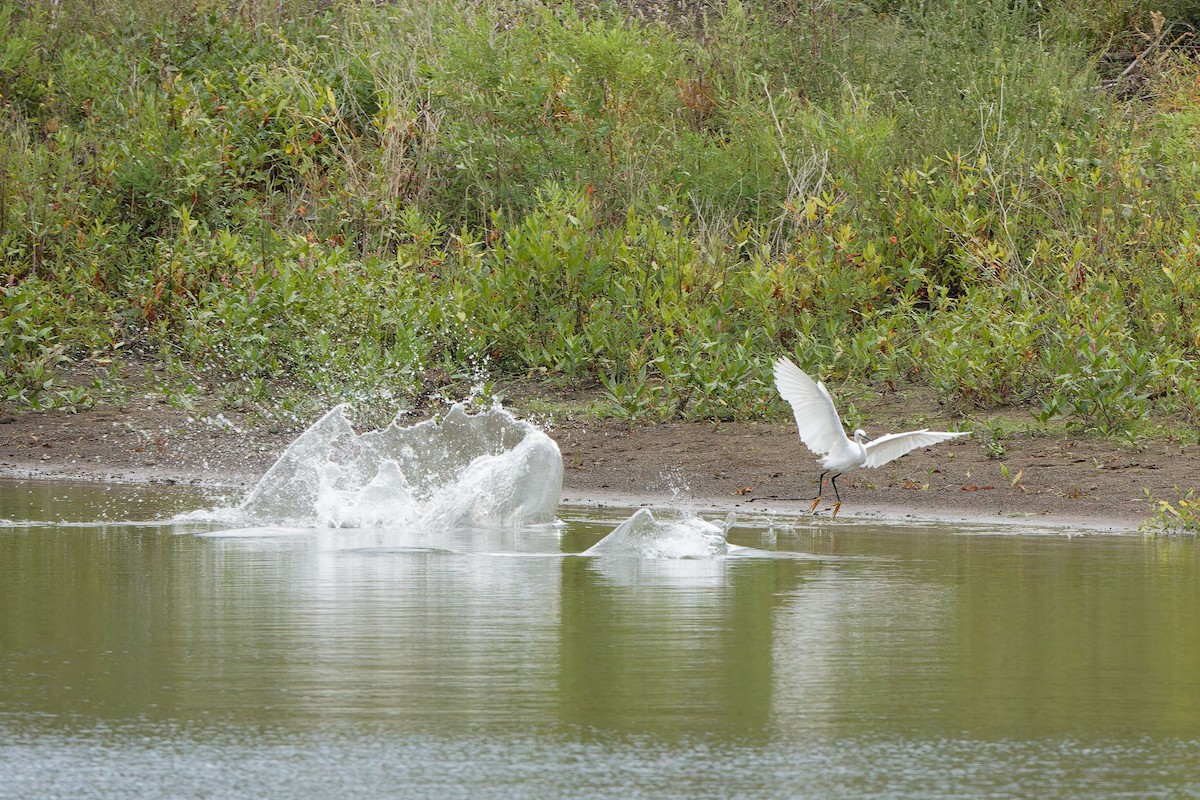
470, 474
466, 470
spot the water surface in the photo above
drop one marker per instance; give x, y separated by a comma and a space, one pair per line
151, 660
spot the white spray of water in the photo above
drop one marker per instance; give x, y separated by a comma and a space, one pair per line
643, 536
465, 470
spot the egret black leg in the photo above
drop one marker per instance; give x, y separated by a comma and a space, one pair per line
820, 488
837, 496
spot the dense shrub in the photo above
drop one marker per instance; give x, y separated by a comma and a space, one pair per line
366, 200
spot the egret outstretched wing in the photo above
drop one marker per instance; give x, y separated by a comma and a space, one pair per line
816, 417
890, 447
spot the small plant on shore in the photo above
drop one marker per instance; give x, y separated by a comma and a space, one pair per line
1180, 515
636, 399
1013, 480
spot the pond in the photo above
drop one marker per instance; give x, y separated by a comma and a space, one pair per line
148, 656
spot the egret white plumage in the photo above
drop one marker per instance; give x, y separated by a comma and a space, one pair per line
821, 431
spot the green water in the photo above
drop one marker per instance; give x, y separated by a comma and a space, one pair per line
147, 661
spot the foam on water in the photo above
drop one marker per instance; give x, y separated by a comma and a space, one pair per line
466, 470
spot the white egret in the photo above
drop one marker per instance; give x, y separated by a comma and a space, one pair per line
821, 431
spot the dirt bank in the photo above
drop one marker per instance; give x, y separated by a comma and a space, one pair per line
743, 467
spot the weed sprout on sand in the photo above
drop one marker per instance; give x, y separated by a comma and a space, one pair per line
1178, 516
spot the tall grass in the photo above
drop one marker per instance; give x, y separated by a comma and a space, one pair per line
370, 201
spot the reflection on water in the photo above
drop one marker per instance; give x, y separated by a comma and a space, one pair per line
89, 503
669, 646
148, 661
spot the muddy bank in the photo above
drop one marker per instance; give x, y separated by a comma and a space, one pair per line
742, 467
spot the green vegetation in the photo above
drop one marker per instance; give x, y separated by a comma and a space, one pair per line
371, 202
1179, 517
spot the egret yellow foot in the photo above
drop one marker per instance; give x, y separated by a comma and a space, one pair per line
836, 506
813, 507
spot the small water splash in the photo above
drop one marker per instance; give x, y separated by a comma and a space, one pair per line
222, 422
644, 536
486, 469
677, 484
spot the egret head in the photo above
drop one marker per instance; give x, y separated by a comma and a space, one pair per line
860, 435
